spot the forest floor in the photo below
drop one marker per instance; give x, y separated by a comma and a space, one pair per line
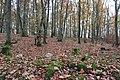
56, 61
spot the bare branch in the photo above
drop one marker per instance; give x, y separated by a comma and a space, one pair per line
119, 7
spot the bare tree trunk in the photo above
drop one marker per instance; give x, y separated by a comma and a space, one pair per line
89, 30
104, 24
79, 18
48, 14
52, 30
8, 21
37, 17
60, 27
107, 35
38, 38
82, 28
70, 26
93, 23
1, 17
25, 34
74, 26
66, 15
88, 19
116, 22
55, 17
97, 23
85, 32
44, 23
33, 26
17, 17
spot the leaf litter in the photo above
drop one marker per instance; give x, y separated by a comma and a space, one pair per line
100, 65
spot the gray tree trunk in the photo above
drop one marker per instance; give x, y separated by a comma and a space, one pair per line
74, 26
38, 38
1, 17
60, 27
66, 15
25, 33
52, 28
107, 35
79, 18
93, 22
8, 20
17, 17
116, 22
55, 17
97, 23
44, 22
48, 1
88, 19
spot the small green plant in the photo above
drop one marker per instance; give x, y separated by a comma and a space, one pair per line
21, 79
80, 77
49, 72
38, 63
50, 68
9, 54
87, 56
82, 66
56, 64
76, 51
71, 64
63, 59
94, 66
13, 62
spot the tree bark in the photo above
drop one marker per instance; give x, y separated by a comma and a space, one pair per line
93, 22
17, 17
25, 33
8, 20
44, 22
60, 27
1, 17
52, 30
55, 17
107, 35
48, 1
88, 19
74, 26
116, 22
79, 18
66, 15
